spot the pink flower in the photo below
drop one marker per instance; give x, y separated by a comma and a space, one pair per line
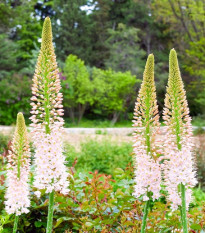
18, 167
147, 148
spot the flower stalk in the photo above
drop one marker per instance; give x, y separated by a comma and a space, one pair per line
47, 109
18, 167
15, 224
178, 146
146, 123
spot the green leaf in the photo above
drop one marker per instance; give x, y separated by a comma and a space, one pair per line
60, 220
38, 223
196, 226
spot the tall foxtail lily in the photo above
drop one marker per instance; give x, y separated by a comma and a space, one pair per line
47, 109
18, 167
178, 146
146, 147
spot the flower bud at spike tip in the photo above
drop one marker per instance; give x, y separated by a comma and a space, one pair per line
47, 35
18, 170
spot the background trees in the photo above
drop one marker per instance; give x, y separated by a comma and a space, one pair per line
113, 36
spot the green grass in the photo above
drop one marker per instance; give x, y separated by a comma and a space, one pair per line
99, 123
87, 123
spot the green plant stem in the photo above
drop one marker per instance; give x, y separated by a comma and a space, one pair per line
144, 220
15, 224
50, 213
183, 212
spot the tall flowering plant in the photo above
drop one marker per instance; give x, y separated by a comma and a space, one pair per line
178, 166
146, 147
47, 123
18, 167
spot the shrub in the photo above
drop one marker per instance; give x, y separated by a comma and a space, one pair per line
4, 140
200, 160
101, 203
103, 156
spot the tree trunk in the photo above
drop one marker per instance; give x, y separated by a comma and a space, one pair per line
81, 108
115, 117
71, 114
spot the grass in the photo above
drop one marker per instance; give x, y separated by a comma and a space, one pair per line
99, 123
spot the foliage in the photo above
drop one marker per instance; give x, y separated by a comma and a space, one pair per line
103, 156
98, 123
110, 92
14, 98
200, 159
72, 30
124, 52
185, 19
96, 30
80, 93
4, 139
113, 91
8, 56
101, 203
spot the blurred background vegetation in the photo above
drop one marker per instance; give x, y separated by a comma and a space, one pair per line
101, 48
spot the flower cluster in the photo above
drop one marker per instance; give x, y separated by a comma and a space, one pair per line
47, 109
178, 144
146, 147
47, 105
17, 194
49, 159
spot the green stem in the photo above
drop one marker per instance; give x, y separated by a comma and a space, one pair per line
15, 224
144, 220
183, 212
50, 213
181, 215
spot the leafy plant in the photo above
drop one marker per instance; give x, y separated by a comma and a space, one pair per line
103, 156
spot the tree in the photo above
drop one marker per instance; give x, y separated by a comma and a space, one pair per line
72, 30
77, 87
186, 22
21, 27
15, 97
8, 56
113, 92
124, 50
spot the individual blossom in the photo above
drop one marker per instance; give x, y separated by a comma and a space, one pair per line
47, 122
178, 146
146, 145
18, 167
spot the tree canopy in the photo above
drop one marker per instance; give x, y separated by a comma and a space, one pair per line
112, 38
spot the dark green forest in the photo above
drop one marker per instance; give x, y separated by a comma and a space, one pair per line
101, 48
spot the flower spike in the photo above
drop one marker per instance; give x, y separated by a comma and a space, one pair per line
17, 202
146, 147
47, 109
178, 146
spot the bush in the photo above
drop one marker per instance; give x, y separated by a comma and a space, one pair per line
200, 160
103, 156
4, 140
101, 203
